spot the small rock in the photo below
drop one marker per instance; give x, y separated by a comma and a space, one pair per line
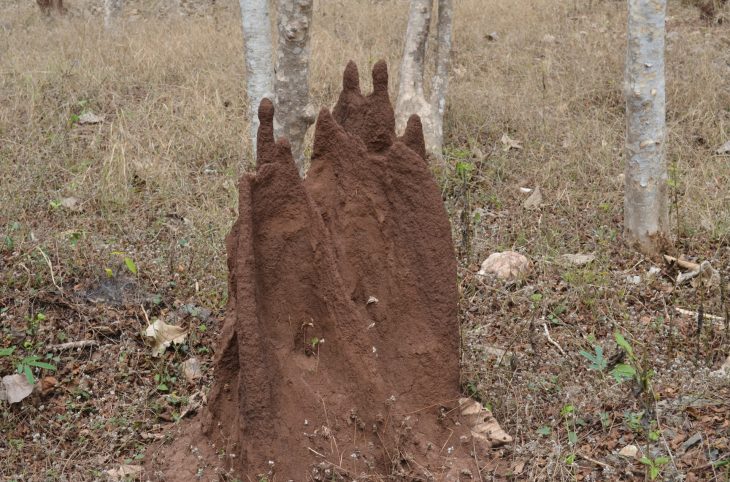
654, 270
629, 451
71, 203
633, 280
191, 369
534, 201
578, 259
508, 265
692, 441
198, 312
90, 118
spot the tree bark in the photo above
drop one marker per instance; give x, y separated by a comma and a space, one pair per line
646, 212
411, 93
112, 10
257, 45
411, 98
294, 113
440, 80
47, 6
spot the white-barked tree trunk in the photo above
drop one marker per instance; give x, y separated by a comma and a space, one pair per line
294, 114
412, 96
646, 205
257, 44
112, 11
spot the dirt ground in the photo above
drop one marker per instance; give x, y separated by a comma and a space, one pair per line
107, 226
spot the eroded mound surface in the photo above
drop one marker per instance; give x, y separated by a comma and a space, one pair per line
340, 355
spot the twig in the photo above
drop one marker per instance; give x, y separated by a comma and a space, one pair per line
597, 462
476, 461
447, 441
550, 339
50, 267
430, 406
340, 467
72, 345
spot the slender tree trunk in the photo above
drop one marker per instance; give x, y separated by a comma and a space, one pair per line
257, 45
440, 81
412, 97
646, 212
47, 6
294, 113
112, 10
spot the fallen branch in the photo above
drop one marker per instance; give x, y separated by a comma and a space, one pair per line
597, 462
550, 339
694, 270
71, 345
694, 314
682, 263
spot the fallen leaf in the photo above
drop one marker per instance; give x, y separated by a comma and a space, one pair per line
724, 149
579, 259
71, 203
629, 451
90, 118
164, 335
123, 471
509, 143
191, 369
47, 385
534, 201
16, 388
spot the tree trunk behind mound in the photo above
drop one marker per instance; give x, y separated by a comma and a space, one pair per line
340, 347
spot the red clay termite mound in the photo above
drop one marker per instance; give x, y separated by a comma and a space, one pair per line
340, 352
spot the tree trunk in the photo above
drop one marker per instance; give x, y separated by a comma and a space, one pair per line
47, 6
411, 94
112, 10
411, 98
294, 114
440, 81
646, 213
259, 58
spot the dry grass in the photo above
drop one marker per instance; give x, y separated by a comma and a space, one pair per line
156, 180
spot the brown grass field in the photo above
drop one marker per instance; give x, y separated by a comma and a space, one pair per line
155, 183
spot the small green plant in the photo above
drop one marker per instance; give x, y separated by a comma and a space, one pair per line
598, 362
654, 466
25, 365
163, 381
128, 262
